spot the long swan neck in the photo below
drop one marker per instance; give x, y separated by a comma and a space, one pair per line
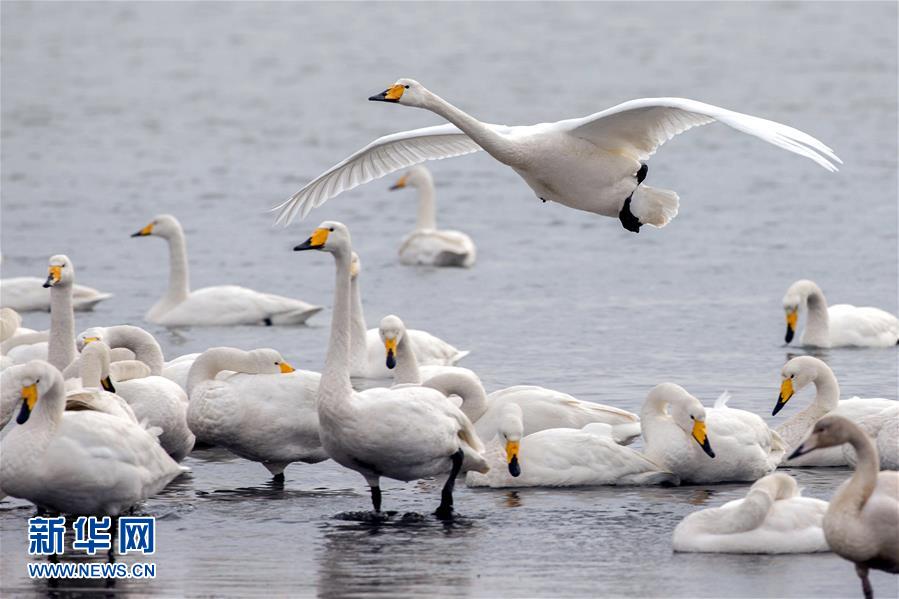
145, 347
827, 389
495, 144
474, 398
179, 272
852, 496
335, 381
94, 366
51, 403
213, 361
406, 370
61, 344
817, 326
358, 330
427, 211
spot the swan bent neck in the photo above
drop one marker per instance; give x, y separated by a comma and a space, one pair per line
474, 398
493, 143
213, 361
852, 497
817, 324
145, 347
94, 364
406, 369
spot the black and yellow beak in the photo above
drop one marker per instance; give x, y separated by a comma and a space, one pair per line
512, 458
699, 433
148, 230
286, 368
390, 346
399, 184
315, 242
29, 398
106, 382
391, 94
53, 276
786, 392
88, 340
792, 318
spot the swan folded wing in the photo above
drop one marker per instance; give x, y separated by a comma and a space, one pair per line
641, 126
863, 323
383, 156
559, 410
231, 304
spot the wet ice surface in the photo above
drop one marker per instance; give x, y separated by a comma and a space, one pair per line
215, 112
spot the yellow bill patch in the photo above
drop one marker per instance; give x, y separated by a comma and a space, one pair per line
401, 183
29, 395
285, 368
319, 237
786, 390
55, 273
148, 230
699, 432
390, 345
394, 93
511, 451
90, 340
792, 318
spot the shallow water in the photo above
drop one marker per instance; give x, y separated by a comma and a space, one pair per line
215, 112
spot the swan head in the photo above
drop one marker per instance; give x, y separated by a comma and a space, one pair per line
686, 411
417, 177
392, 330
61, 273
829, 431
355, 266
269, 361
405, 91
164, 225
795, 298
510, 430
330, 236
35, 380
796, 374
88, 336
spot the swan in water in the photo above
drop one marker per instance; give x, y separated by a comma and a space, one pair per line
595, 163
561, 457
404, 433
772, 518
840, 325
27, 294
427, 245
78, 462
862, 520
367, 350
264, 413
400, 354
797, 374
220, 305
680, 435
160, 403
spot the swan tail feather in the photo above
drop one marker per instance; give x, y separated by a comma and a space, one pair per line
460, 354
653, 206
722, 400
298, 316
627, 433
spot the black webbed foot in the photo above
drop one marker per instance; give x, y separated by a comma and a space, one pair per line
641, 174
627, 218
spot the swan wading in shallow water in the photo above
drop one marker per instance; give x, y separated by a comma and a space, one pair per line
804, 370
680, 435
561, 457
772, 518
265, 412
210, 306
841, 325
427, 245
595, 163
405, 433
78, 462
862, 520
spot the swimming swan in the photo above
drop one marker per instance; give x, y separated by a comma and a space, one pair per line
596, 163
862, 520
220, 305
561, 457
883, 428
404, 433
841, 325
78, 462
400, 354
367, 350
27, 294
264, 413
427, 245
680, 435
797, 374
772, 518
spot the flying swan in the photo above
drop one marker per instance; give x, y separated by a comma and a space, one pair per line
595, 163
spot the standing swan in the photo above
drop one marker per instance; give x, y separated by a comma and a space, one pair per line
841, 325
81, 462
772, 518
595, 163
220, 305
798, 373
405, 433
862, 521
426, 245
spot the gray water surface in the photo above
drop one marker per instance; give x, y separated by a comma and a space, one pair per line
214, 112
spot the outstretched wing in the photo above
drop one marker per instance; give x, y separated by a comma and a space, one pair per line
641, 126
381, 157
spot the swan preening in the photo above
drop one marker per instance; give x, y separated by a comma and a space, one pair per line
804, 370
404, 433
862, 521
427, 245
595, 163
220, 305
78, 462
772, 518
840, 325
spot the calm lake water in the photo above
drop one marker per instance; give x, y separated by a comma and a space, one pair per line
214, 112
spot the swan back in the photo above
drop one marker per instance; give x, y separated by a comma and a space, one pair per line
214, 360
